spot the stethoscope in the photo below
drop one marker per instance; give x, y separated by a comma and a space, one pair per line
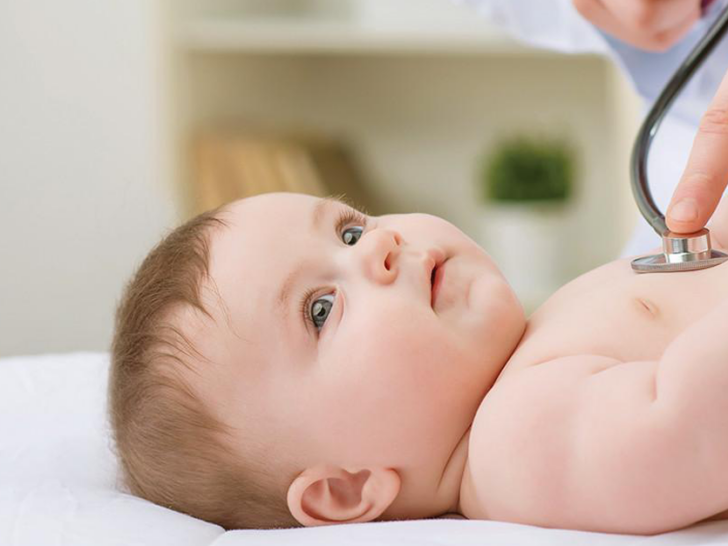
680, 251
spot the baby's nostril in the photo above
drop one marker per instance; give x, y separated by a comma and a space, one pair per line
432, 275
386, 263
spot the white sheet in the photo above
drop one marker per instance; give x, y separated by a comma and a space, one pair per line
58, 475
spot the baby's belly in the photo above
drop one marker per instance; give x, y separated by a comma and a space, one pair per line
614, 312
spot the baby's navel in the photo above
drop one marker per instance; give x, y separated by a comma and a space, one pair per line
646, 306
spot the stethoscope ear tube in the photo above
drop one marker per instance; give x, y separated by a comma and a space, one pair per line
641, 149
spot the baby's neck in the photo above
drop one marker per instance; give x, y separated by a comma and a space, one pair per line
452, 476
455, 476
454, 480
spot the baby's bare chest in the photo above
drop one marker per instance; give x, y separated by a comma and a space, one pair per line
615, 312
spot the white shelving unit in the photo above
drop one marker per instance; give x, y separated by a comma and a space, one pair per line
303, 27
306, 36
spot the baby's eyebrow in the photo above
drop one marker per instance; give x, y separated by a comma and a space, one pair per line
323, 206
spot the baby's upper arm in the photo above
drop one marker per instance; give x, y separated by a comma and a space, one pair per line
578, 443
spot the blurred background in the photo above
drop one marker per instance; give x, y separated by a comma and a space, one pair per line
121, 119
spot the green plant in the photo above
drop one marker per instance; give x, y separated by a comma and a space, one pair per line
529, 169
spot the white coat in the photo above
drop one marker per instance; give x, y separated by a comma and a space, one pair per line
555, 24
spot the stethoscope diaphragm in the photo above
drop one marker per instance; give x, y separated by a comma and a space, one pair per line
681, 252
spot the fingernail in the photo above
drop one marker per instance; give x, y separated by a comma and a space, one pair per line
684, 211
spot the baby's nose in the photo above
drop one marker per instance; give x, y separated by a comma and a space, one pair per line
380, 250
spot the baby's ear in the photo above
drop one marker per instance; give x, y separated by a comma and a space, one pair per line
327, 494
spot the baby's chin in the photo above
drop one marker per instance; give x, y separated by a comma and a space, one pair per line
503, 312
491, 303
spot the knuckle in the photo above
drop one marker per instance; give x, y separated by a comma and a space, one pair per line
715, 121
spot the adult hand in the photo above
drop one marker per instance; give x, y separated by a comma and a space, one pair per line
653, 25
705, 177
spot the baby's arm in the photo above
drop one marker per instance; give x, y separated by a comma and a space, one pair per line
590, 443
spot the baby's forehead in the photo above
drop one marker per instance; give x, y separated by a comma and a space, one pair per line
254, 239
271, 207
262, 235
248, 256
252, 215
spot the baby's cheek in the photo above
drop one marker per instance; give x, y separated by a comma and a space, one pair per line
400, 343
391, 391
413, 362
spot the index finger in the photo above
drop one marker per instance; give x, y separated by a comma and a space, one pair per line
706, 174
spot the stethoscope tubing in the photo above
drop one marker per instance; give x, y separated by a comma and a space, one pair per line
646, 134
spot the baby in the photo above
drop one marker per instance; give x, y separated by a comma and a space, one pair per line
287, 360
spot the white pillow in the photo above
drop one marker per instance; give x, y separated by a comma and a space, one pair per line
58, 482
57, 471
53, 419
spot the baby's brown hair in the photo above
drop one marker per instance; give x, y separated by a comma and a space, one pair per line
171, 448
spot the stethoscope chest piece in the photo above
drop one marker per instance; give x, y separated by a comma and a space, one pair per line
681, 252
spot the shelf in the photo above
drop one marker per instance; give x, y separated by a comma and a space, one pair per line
301, 36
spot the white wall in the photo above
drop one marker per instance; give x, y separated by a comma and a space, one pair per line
81, 197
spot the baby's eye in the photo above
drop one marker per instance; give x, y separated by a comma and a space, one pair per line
320, 310
357, 223
351, 235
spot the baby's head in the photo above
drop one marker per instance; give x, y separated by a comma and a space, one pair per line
280, 361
